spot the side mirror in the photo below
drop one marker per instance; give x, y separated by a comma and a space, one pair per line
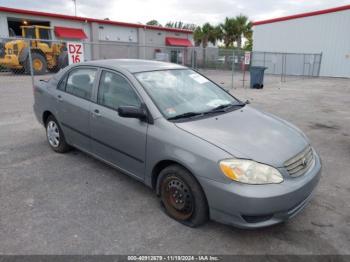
247, 102
132, 112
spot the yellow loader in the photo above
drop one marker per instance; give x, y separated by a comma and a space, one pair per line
46, 55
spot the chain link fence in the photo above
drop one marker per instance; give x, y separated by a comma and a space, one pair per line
21, 57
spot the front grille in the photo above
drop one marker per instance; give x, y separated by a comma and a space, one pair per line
299, 164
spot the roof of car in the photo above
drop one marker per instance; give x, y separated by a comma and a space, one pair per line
134, 65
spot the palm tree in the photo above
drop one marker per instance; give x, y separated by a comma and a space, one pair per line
244, 28
229, 31
198, 36
248, 45
218, 33
205, 34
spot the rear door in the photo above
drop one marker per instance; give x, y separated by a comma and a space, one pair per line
74, 96
120, 141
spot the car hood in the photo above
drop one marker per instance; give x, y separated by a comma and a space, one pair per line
250, 134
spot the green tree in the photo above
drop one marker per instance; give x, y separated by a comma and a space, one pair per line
153, 22
243, 29
229, 31
197, 36
248, 45
205, 34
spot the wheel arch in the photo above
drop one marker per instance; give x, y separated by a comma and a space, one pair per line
163, 164
38, 51
46, 115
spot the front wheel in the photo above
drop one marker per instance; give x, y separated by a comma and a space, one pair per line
182, 196
55, 136
39, 64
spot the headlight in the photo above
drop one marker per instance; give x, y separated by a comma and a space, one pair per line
250, 172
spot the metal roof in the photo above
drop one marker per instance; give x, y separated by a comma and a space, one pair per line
314, 13
86, 19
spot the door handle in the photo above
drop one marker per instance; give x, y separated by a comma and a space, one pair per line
59, 98
97, 113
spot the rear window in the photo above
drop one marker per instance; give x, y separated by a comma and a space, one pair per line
80, 82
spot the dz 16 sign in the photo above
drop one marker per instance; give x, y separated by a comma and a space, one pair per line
75, 52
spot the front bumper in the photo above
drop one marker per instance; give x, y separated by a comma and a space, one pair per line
255, 206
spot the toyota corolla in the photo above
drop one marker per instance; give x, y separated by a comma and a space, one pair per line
206, 154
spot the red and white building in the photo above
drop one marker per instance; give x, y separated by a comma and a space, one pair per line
134, 40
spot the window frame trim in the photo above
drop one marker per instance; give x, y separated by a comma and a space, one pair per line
66, 76
142, 103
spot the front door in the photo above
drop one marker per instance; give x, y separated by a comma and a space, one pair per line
120, 141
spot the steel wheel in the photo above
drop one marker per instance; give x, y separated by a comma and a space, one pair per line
177, 198
53, 134
37, 64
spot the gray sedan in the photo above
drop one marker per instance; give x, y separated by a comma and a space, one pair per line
204, 152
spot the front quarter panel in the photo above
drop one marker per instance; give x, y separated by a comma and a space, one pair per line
165, 141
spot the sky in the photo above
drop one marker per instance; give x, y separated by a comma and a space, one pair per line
188, 11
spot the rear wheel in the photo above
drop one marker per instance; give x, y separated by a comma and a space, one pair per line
55, 136
182, 196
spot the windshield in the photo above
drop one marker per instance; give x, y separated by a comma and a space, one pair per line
183, 92
29, 33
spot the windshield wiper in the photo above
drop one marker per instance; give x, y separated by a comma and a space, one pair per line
185, 115
223, 108
220, 108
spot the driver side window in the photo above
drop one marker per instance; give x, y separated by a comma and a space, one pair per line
115, 91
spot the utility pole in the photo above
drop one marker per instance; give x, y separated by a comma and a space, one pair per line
75, 7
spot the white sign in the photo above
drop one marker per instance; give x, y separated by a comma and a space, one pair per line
198, 78
75, 52
162, 56
247, 58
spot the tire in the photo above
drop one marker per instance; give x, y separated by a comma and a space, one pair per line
62, 60
36, 60
55, 136
182, 197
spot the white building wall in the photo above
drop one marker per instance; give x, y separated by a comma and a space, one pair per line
117, 33
4, 32
327, 34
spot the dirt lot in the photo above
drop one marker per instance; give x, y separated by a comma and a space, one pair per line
72, 204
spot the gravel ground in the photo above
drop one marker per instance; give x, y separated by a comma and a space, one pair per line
72, 204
